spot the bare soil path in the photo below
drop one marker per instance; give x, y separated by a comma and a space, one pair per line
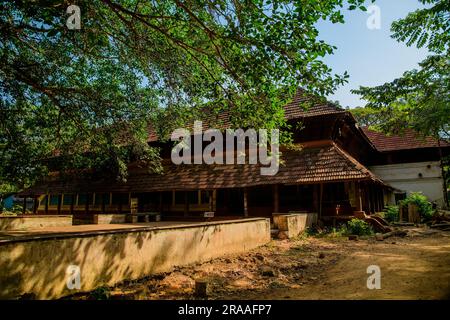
413, 267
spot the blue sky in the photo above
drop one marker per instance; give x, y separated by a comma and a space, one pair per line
371, 57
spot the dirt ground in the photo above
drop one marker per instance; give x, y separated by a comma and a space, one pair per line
413, 267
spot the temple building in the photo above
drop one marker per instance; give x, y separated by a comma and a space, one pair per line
338, 169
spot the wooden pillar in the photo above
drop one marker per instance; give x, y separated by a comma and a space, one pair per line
47, 199
377, 199
315, 202
160, 202
227, 200
364, 198
211, 199
186, 204
245, 202
320, 200
129, 201
24, 204
359, 204
87, 203
72, 203
59, 203
276, 199
381, 192
214, 200
35, 204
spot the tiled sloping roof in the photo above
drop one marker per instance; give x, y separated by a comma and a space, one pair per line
409, 140
319, 164
292, 110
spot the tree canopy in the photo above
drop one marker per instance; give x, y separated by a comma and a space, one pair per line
420, 98
88, 95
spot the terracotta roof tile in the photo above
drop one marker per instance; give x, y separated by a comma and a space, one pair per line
327, 163
292, 110
409, 140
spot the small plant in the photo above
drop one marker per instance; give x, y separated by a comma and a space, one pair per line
101, 293
391, 213
340, 231
17, 208
425, 207
359, 227
8, 214
326, 232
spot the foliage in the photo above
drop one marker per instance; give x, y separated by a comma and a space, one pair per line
366, 116
353, 227
325, 232
391, 213
101, 293
17, 208
420, 98
5, 190
8, 214
427, 27
83, 95
359, 227
424, 206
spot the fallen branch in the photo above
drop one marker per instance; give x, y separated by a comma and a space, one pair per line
440, 225
403, 224
397, 233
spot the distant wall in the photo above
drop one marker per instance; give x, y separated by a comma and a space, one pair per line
26, 222
38, 266
109, 218
291, 225
425, 177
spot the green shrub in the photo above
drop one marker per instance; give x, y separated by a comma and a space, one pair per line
101, 293
17, 208
325, 232
425, 207
391, 213
359, 227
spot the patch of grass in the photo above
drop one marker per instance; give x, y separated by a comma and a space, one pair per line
327, 232
303, 235
352, 227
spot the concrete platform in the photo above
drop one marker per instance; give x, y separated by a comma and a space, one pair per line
41, 262
87, 229
33, 221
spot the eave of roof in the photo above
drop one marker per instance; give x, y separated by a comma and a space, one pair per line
321, 163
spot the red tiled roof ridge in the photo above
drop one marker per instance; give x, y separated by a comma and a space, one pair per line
357, 164
292, 110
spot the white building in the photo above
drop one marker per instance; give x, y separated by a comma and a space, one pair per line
409, 164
